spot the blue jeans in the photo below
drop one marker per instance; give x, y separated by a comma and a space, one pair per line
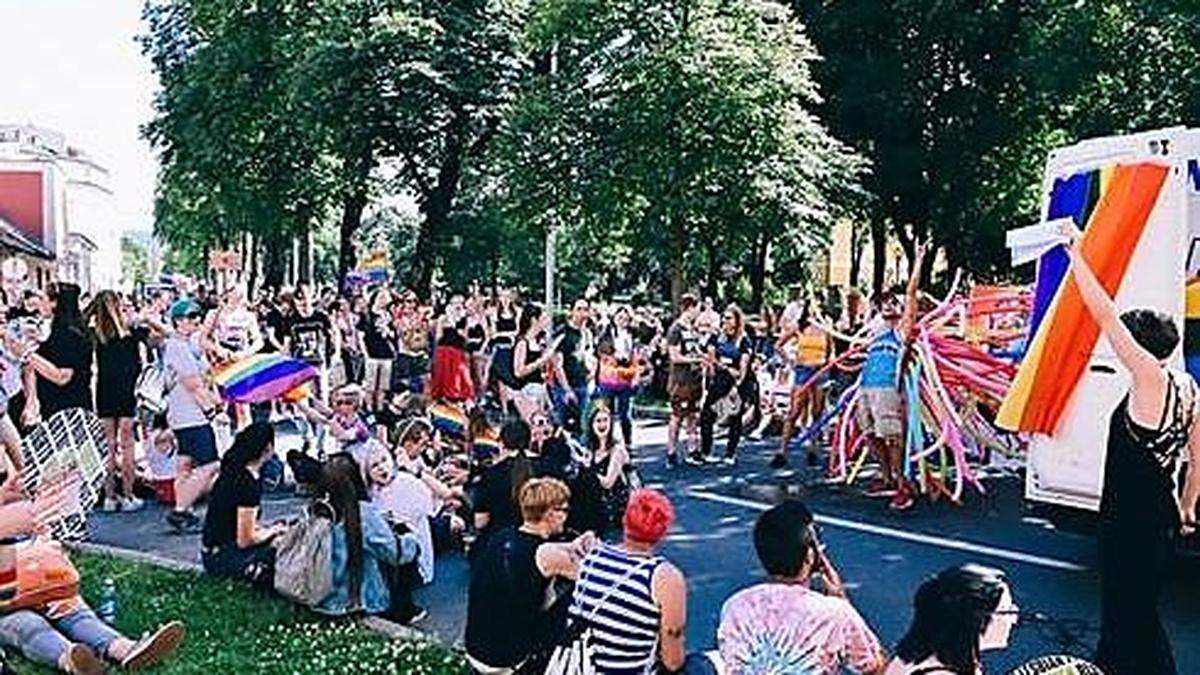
44, 641
572, 416
622, 410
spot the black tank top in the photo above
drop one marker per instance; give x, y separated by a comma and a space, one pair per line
476, 336
1139, 486
505, 621
532, 353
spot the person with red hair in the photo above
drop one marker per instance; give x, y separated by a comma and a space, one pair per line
624, 589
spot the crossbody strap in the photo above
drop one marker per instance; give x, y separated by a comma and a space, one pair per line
647, 564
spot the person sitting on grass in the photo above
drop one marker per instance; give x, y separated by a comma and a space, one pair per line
234, 543
783, 623
363, 545
66, 635
509, 617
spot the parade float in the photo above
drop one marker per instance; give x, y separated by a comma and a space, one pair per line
1137, 199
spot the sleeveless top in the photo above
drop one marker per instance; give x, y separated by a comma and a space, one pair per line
811, 349
882, 368
505, 621
625, 625
476, 336
1140, 465
533, 352
506, 328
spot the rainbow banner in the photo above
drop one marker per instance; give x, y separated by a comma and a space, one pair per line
262, 377
1065, 332
448, 419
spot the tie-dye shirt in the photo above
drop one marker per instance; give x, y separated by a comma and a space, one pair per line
781, 629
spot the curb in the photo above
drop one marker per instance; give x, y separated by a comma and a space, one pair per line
388, 629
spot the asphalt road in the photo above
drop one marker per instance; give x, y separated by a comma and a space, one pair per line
883, 556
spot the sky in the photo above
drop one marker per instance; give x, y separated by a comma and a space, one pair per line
74, 66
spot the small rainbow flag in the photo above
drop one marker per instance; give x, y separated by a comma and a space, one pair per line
485, 446
448, 419
262, 377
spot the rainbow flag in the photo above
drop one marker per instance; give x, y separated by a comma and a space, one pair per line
262, 377
1115, 203
448, 419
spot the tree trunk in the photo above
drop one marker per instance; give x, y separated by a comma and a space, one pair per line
714, 271
274, 262
251, 266
352, 210
879, 257
856, 254
678, 251
437, 206
758, 271
304, 258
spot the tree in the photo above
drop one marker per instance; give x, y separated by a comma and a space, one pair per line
653, 134
135, 262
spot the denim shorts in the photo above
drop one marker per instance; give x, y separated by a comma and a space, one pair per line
198, 443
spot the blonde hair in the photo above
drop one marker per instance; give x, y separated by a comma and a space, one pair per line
539, 495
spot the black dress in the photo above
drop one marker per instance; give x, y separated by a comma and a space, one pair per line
67, 347
118, 364
1139, 517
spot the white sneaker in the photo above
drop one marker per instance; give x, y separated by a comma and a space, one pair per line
131, 504
111, 505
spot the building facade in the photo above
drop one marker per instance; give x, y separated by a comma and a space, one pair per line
57, 210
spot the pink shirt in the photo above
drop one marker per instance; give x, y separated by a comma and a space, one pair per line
781, 629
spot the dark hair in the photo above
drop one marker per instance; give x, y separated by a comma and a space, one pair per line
249, 444
342, 483
529, 314
783, 538
686, 302
66, 305
1153, 330
105, 312
950, 612
590, 431
515, 435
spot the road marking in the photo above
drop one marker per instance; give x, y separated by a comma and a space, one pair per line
916, 537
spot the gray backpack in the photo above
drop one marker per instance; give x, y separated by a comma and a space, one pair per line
303, 565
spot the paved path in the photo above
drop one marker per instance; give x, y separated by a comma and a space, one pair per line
883, 556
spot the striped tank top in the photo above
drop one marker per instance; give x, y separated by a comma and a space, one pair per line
625, 625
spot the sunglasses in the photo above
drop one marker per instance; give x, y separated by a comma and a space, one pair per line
540, 422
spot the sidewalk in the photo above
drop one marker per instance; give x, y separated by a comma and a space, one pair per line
146, 531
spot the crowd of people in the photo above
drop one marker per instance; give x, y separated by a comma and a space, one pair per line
471, 426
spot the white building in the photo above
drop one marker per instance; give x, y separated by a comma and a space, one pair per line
57, 198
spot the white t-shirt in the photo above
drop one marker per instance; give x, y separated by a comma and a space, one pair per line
407, 499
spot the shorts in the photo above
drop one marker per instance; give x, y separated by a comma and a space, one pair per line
880, 413
684, 390
802, 374
198, 443
378, 378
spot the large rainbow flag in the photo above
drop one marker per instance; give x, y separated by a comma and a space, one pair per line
262, 377
1114, 203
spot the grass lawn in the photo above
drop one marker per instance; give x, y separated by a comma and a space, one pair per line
234, 629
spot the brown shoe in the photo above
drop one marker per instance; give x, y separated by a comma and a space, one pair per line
154, 647
81, 660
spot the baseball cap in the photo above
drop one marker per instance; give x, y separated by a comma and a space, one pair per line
185, 307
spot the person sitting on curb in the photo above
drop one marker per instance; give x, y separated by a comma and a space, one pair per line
509, 620
772, 626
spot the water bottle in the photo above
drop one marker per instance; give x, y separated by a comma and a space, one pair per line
107, 610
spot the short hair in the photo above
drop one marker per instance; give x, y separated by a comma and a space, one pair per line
539, 495
515, 435
648, 516
782, 538
687, 301
1155, 331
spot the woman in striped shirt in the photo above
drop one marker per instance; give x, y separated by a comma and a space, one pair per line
634, 601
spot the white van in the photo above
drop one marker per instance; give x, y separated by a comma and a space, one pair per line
1067, 468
